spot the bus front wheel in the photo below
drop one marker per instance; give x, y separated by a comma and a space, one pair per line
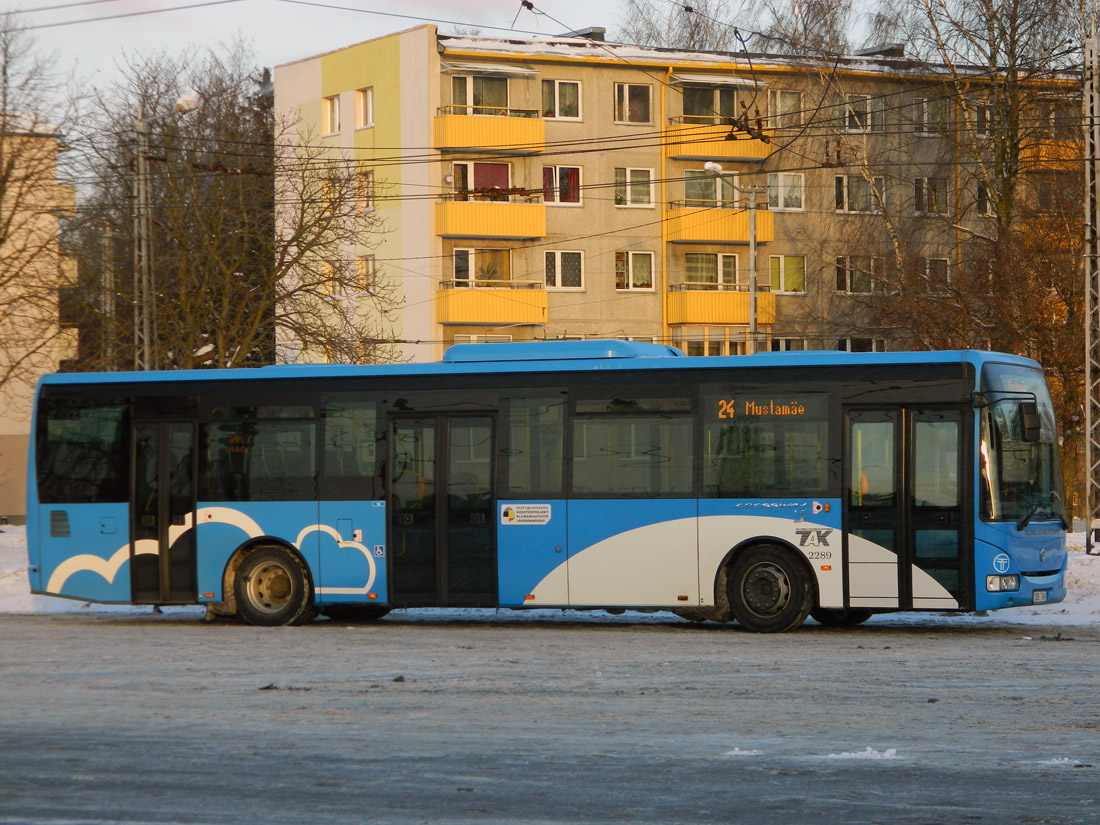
769, 590
272, 588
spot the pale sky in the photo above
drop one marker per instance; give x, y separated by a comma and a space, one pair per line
279, 31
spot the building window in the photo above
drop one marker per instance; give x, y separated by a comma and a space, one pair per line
983, 119
330, 108
366, 274
936, 274
787, 344
364, 190
633, 270
702, 190
930, 115
788, 273
861, 345
330, 195
564, 270
633, 187
1059, 119
632, 103
487, 267
561, 184
479, 95
364, 108
854, 193
711, 271
987, 200
332, 270
710, 341
483, 339
858, 274
786, 109
561, 99
709, 104
863, 113
481, 181
785, 190
930, 196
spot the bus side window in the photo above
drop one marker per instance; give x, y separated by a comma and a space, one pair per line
353, 447
531, 449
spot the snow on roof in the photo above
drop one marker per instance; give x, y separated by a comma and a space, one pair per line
877, 61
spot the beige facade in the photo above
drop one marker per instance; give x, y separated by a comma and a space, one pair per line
560, 188
32, 273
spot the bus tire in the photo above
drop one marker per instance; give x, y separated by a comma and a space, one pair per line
832, 617
769, 590
354, 612
273, 588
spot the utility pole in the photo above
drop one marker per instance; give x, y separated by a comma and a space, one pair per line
1091, 106
145, 319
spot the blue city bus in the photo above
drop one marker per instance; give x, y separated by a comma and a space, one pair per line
576, 474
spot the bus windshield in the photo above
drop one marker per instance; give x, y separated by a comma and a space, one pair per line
1020, 479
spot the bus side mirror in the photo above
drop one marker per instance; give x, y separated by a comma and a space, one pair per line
1030, 422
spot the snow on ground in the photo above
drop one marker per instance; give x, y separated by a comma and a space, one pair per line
1081, 607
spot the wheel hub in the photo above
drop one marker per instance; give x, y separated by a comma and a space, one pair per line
766, 589
270, 588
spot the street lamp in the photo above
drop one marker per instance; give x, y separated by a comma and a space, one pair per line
715, 171
144, 305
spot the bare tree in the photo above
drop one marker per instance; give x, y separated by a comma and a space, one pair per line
32, 200
803, 27
989, 79
226, 274
705, 25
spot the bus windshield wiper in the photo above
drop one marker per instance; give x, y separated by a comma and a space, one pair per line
1054, 512
1059, 510
1026, 520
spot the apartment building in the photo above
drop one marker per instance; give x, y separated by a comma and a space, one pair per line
33, 272
573, 188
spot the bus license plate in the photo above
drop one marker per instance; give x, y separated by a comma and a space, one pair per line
1039, 597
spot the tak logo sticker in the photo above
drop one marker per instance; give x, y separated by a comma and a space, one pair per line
813, 537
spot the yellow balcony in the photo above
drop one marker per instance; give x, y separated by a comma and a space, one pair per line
716, 225
503, 132
494, 303
706, 141
717, 307
1052, 156
490, 219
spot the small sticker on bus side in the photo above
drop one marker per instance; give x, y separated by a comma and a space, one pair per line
524, 514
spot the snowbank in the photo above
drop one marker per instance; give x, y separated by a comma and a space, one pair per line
1081, 607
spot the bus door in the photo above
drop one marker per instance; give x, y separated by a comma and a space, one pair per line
904, 523
441, 501
162, 547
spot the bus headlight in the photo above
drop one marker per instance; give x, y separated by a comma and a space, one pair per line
1001, 584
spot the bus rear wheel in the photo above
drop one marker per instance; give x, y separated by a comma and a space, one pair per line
769, 590
272, 588
831, 617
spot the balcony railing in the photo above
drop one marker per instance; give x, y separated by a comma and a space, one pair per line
491, 302
704, 224
491, 215
493, 194
501, 130
698, 286
696, 138
489, 283
718, 308
488, 111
